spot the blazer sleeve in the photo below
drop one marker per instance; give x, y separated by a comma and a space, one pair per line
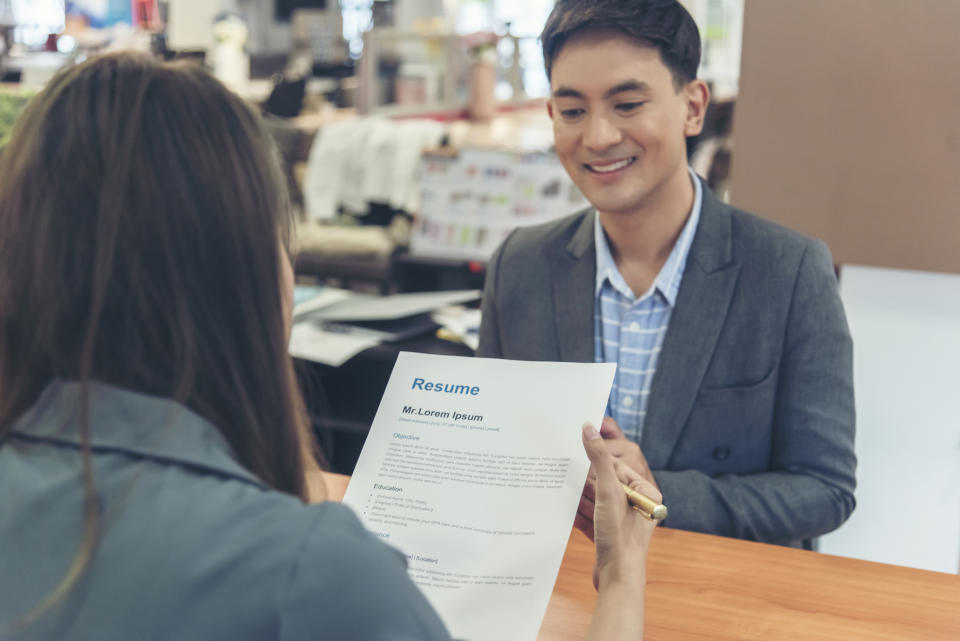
808, 488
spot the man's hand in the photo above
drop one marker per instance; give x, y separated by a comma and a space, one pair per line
622, 448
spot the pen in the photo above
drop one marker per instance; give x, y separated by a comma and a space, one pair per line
645, 505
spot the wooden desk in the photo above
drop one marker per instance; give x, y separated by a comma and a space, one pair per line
710, 587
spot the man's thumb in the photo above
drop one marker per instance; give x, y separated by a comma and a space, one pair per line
610, 429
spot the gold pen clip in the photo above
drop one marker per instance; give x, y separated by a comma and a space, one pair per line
645, 505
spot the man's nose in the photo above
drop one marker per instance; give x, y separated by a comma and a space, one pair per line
601, 133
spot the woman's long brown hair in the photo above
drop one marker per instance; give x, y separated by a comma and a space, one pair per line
140, 207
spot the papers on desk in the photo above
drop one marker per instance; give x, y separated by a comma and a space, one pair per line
333, 325
313, 341
366, 307
309, 298
459, 324
473, 468
329, 345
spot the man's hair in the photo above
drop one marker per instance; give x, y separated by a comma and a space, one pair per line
663, 24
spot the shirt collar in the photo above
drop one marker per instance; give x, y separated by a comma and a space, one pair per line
127, 421
668, 279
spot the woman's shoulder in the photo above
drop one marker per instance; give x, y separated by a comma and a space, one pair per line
324, 569
352, 585
311, 568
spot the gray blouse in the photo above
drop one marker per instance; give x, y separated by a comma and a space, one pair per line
193, 545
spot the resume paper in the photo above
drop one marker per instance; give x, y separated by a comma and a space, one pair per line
473, 468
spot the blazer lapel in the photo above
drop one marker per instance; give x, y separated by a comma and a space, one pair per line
574, 282
701, 310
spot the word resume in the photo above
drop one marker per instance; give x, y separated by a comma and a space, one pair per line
473, 468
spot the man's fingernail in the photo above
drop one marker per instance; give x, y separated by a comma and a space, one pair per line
590, 432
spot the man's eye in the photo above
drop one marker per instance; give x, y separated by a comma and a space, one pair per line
627, 107
571, 114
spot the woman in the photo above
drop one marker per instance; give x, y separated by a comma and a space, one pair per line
150, 425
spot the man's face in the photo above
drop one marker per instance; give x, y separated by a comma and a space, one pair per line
619, 123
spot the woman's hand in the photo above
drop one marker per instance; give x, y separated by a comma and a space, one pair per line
619, 447
621, 534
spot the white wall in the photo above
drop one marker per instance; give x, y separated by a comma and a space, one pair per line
906, 357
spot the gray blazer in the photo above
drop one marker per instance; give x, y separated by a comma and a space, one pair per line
194, 546
750, 423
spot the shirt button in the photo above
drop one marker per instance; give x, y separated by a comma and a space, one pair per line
721, 453
627, 401
634, 326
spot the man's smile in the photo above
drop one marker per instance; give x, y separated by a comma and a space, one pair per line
610, 167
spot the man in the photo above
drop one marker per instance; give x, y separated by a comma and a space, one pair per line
734, 388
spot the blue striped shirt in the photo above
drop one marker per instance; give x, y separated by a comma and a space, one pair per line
629, 330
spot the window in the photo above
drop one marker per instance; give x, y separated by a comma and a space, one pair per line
35, 19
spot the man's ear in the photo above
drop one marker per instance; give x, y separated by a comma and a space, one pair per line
696, 97
550, 108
